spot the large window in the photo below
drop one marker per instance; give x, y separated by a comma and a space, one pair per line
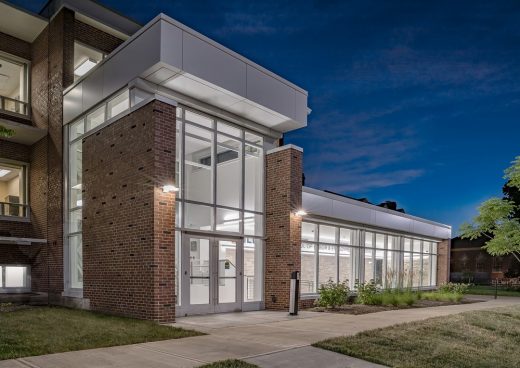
13, 190
85, 58
13, 85
15, 278
334, 253
220, 171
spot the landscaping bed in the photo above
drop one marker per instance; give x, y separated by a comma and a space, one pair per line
487, 338
28, 331
357, 309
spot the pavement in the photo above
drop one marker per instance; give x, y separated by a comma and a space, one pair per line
265, 338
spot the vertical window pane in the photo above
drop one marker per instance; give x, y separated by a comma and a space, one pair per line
416, 271
345, 265
199, 271
369, 265
178, 154
76, 129
178, 214
391, 242
118, 104
379, 275
96, 118
308, 273
254, 179
75, 174
253, 269
426, 247
369, 239
253, 224
228, 220
76, 261
198, 170
407, 245
308, 231
392, 269
227, 271
75, 221
380, 241
346, 236
198, 217
434, 248
426, 272
327, 234
178, 265
229, 171
407, 270
416, 245
328, 264
433, 281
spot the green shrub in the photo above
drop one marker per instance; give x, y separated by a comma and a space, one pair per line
440, 296
333, 295
453, 287
367, 293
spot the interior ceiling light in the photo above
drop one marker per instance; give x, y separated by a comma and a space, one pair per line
4, 172
84, 67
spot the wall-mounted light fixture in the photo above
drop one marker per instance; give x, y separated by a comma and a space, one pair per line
84, 67
301, 213
169, 188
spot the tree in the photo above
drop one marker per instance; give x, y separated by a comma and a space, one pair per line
498, 219
6, 133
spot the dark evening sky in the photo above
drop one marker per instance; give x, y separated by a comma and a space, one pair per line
413, 101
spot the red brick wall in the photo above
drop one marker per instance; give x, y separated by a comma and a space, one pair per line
443, 262
283, 228
93, 37
15, 46
128, 222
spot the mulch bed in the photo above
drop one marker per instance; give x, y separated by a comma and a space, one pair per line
357, 309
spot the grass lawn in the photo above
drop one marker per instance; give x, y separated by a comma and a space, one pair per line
487, 338
490, 290
45, 330
231, 363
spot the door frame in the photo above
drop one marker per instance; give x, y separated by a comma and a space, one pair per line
185, 308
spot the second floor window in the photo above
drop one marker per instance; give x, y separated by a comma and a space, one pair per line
13, 191
13, 85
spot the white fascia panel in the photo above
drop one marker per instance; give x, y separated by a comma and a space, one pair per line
213, 65
171, 46
270, 92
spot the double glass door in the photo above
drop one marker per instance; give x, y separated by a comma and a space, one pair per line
211, 275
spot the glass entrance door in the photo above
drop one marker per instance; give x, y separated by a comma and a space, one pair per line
212, 275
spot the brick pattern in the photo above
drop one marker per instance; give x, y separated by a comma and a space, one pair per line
128, 222
15, 46
443, 262
93, 37
283, 228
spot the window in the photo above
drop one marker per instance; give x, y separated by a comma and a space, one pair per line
13, 85
85, 59
13, 190
327, 264
253, 269
15, 278
308, 268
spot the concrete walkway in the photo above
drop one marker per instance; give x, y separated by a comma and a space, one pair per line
264, 338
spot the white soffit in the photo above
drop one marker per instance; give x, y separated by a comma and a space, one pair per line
23, 134
19, 23
342, 209
172, 55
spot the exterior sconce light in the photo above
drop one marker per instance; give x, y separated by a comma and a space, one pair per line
169, 188
300, 213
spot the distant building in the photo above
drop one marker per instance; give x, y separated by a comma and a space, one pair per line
470, 263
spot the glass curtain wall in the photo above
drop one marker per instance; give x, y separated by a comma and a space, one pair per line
335, 253
220, 173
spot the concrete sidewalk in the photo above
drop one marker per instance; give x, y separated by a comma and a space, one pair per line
264, 338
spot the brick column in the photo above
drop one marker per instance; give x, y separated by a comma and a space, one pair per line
443, 261
128, 222
283, 227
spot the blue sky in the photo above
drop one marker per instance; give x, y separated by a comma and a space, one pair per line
413, 101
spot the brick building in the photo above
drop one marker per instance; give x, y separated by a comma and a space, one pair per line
144, 176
